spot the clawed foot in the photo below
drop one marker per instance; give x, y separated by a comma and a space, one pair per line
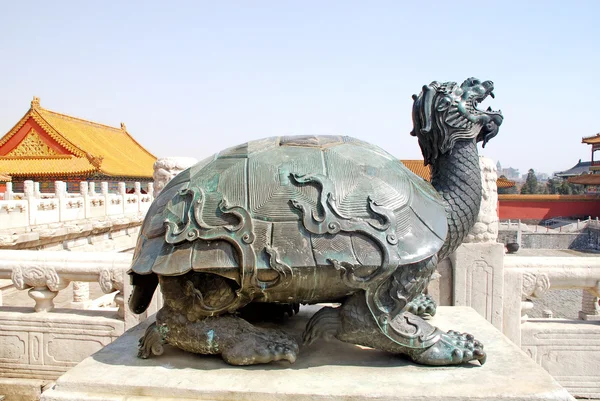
261, 346
151, 343
452, 348
325, 323
422, 305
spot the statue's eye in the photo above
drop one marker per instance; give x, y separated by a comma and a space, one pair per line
475, 82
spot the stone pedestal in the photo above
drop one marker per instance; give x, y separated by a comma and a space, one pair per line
479, 279
324, 371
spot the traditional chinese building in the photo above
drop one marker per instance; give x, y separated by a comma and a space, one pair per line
46, 146
591, 180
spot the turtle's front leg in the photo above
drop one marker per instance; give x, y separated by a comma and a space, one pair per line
353, 323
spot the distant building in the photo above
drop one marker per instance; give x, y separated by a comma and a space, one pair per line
510, 173
591, 178
578, 169
46, 146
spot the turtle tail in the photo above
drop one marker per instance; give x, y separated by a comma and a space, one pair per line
143, 290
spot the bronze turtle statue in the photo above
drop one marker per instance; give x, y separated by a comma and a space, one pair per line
265, 226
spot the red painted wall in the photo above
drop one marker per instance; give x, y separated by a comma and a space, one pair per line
540, 207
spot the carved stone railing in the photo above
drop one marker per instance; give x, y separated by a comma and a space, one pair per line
44, 274
565, 348
32, 208
46, 343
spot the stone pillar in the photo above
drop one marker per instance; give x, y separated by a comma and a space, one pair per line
83, 190
28, 189
81, 292
166, 168
36, 190
92, 187
104, 190
479, 279
8, 195
137, 188
150, 190
60, 189
123, 194
60, 194
590, 308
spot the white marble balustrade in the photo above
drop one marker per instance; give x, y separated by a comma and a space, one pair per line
46, 343
32, 208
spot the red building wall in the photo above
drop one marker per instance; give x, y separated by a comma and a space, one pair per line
540, 207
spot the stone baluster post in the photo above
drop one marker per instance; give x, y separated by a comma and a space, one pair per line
137, 190
92, 188
123, 194
8, 195
83, 190
168, 167
60, 194
81, 294
590, 308
36, 190
150, 191
28, 189
28, 194
43, 282
104, 190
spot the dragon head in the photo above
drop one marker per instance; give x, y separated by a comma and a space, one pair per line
444, 113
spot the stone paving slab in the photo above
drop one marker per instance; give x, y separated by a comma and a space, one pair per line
331, 371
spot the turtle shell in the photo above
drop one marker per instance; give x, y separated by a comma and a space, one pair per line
261, 183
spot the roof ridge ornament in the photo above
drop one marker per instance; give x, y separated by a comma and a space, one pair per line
123, 127
35, 103
95, 161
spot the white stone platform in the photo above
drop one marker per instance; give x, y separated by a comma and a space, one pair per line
324, 371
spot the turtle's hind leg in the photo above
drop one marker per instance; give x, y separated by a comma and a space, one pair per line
238, 341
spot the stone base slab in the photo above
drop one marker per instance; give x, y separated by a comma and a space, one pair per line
329, 371
569, 350
22, 389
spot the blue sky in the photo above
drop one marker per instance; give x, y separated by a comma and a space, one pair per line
191, 78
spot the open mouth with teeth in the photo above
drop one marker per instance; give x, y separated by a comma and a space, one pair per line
490, 119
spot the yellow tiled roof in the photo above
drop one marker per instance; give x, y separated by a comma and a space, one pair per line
4, 177
97, 148
502, 182
591, 139
46, 166
418, 167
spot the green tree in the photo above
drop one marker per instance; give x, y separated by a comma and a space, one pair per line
563, 187
531, 183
